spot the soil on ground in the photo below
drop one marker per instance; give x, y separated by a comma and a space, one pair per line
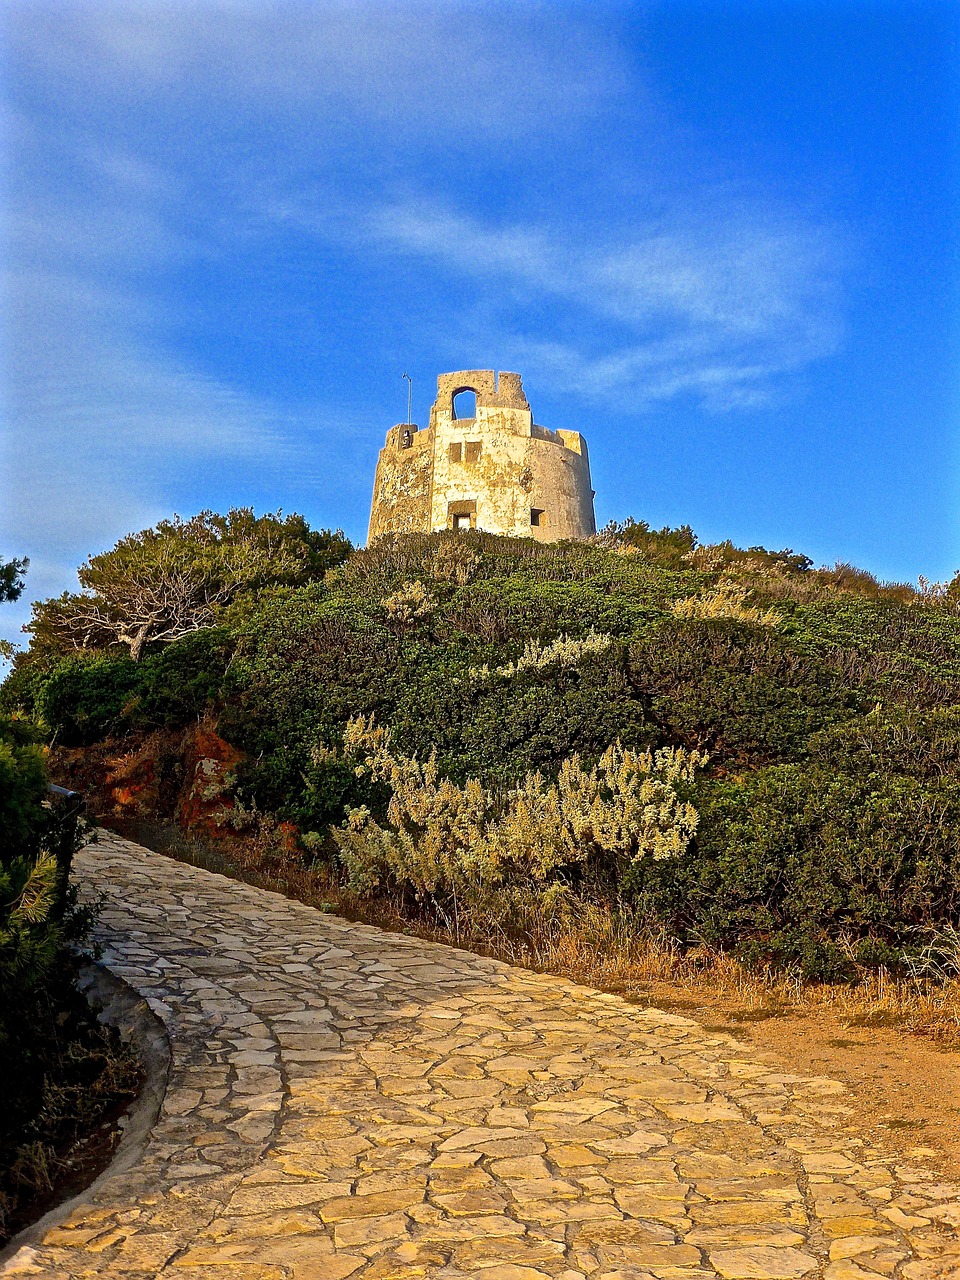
905, 1090
81, 1163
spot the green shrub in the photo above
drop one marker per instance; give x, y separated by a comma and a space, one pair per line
799, 863
182, 681
514, 609
923, 744
23, 790
739, 690
890, 650
307, 785
21, 691
91, 695
668, 548
499, 730
305, 665
85, 697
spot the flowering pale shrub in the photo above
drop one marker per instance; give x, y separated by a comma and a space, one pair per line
945, 594
706, 558
566, 651
410, 602
726, 600
465, 845
454, 561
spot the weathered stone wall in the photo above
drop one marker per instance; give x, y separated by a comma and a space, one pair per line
561, 488
402, 485
497, 470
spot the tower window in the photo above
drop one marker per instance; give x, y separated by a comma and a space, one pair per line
472, 450
465, 404
455, 451
538, 517
462, 514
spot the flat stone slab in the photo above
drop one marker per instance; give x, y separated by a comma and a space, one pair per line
348, 1102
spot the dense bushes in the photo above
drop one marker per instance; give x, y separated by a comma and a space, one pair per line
23, 789
919, 743
85, 697
801, 863
741, 691
89, 695
824, 699
59, 1067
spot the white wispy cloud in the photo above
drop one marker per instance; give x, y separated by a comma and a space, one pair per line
99, 425
440, 67
654, 372
103, 427
102, 420
720, 307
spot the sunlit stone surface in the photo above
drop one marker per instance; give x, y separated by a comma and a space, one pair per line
345, 1102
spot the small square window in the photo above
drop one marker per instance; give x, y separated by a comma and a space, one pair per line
462, 514
473, 450
538, 517
455, 450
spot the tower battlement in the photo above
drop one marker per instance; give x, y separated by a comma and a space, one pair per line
486, 465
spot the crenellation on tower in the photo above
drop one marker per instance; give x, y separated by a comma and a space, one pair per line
496, 470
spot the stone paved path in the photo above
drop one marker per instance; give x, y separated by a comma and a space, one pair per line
345, 1102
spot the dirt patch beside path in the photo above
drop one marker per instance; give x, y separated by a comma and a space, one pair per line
905, 1089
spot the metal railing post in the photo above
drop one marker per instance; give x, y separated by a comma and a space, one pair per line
67, 807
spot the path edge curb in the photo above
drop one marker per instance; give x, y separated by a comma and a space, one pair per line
118, 1005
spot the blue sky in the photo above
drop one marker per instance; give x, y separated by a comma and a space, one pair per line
718, 238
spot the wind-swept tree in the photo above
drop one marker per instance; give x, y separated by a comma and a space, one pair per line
173, 579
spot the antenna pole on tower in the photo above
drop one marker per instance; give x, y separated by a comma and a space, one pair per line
409, 397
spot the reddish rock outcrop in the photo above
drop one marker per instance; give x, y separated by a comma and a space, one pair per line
209, 773
184, 777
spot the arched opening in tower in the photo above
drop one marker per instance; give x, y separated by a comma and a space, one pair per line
465, 404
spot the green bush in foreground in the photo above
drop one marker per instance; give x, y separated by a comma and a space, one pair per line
60, 1069
799, 864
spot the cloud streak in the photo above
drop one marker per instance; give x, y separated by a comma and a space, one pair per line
500, 71
100, 427
103, 420
721, 309
745, 270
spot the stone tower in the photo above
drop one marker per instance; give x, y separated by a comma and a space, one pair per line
495, 470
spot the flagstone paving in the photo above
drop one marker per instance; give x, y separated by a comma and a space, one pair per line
347, 1102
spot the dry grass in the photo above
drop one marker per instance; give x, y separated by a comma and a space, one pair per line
602, 955
593, 947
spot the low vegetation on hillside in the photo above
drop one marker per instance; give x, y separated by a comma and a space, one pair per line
61, 1070
726, 747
